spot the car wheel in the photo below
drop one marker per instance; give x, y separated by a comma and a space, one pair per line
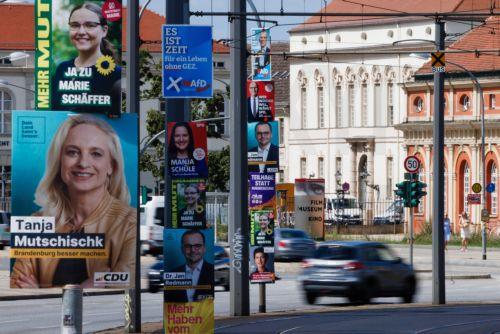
409, 291
368, 292
2, 247
153, 289
311, 297
226, 287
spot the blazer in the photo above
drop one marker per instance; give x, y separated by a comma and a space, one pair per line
112, 217
206, 278
262, 115
273, 155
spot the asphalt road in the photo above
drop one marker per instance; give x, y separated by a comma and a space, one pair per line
101, 312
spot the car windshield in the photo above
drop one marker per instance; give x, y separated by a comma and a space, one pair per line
334, 252
289, 234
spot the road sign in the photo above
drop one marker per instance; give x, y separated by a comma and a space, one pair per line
485, 215
345, 186
476, 187
438, 62
490, 187
187, 61
412, 164
473, 199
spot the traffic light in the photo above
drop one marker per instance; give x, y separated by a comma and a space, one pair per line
416, 193
145, 191
402, 191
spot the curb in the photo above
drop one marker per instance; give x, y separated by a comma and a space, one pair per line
59, 295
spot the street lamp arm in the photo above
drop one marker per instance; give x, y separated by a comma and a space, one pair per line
150, 141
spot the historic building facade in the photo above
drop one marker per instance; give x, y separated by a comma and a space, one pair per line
463, 114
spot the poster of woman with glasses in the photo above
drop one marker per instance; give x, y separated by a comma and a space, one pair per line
188, 203
86, 53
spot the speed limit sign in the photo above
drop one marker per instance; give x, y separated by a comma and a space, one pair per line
412, 164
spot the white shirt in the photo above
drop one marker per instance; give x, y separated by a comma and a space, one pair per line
255, 111
194, 274
264, 152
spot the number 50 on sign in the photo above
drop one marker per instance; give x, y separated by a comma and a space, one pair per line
412, 164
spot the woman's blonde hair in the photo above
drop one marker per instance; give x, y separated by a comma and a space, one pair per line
52, 195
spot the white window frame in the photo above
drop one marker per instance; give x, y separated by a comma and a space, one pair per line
494, 194
321, 106
338, 105
466, 186
390, 104
303, 167
364, 104
351, 104
6, 102
321, 167
303, 106
390, 178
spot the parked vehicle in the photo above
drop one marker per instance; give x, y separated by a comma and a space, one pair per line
292, 244
358, 270
152, 226
4, 229
221, 271
394, 214
342, 210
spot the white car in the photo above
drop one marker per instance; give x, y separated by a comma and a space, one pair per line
4, 229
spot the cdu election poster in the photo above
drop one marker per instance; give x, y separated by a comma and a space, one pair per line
78, 56
309, 206
74, 194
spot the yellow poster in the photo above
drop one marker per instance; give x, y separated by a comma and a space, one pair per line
193, 317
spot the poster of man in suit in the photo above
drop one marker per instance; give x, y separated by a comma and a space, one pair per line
263, 149
261, 54
260, 101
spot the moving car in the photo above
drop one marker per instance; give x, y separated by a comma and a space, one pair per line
152, 226
4, 229
292, 244
358, 270
393, 215
221, 271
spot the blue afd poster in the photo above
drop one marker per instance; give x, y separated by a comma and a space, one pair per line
187, 61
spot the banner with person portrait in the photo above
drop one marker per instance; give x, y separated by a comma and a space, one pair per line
261, 54
260, 101
262, 264
262, 227
187, 149
263, 147
74, 198
309, 206
261, 190
78, 56
188, 203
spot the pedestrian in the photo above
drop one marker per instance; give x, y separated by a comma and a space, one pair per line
464, 230
447, 231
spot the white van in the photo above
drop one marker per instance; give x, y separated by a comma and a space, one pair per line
343, 210
152, 226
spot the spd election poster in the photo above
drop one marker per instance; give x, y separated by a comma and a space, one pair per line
74, 218
187, 149
78, 56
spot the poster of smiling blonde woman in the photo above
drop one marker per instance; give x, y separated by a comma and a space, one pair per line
73, 200
78, 57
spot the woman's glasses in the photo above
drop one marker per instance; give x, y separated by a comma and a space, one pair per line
88, 26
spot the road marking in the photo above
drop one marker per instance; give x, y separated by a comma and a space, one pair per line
289, 330
11, 321
454, 325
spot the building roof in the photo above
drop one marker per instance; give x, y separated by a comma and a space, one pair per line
388, 6
24, 36
486, 36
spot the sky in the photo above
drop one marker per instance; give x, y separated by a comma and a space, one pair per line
221, 24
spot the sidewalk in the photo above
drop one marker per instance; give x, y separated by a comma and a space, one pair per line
458, 265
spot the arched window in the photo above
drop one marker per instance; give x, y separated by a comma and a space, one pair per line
466, 186
5, 112
494, 196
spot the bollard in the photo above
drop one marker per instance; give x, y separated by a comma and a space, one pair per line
72, 300
262, 298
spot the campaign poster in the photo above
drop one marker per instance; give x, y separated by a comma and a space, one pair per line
187, 61
261, 54
78, 56
195, 317
262, 264
187, 149
188, 203
309, 206
262, 227
63, 163
188, 264
261, 190
260, 101
263, 147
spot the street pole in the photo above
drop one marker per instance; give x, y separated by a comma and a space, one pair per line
133, 296
438, 288
238, 204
